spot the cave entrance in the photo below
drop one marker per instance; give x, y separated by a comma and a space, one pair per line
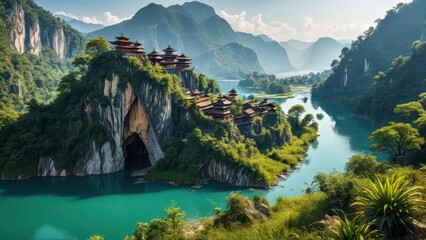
136, 154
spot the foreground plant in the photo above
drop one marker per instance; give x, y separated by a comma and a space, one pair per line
391, 204
355, 229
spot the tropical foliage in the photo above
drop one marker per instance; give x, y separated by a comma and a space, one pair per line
391, 204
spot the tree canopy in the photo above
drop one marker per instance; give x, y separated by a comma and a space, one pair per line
396, 139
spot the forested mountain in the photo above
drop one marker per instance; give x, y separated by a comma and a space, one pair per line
32, 45
401, 83
194, 28
352, 81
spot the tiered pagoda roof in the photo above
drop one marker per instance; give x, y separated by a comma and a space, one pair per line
233, 94
155, 57
123, 44
183, 61
168, 60
221, 110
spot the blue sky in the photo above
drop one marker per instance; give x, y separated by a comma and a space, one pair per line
280, 19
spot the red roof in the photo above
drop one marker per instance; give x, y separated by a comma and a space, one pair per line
183, 58
222, 102
137, 44
154, 53
233, 91
169, 49
122, 37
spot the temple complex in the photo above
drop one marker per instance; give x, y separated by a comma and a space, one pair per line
178, 64
168, 60
123, 44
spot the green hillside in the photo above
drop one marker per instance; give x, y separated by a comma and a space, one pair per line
35, 73
352, 81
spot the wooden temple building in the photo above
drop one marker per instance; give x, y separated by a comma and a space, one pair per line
219, 109
168, 60
123, 44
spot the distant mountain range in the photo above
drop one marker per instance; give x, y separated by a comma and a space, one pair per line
195, 29
80, 25
317, 55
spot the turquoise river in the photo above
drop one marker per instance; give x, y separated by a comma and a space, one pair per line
111, 205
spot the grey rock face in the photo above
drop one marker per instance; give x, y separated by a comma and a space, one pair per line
35, 39
235, 175
17, 35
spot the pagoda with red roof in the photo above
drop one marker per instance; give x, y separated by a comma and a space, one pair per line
155, 57
183, 61
220, 110
233, 94
123, 44
169, 58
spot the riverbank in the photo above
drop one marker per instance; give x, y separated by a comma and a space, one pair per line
272, 96
37, 204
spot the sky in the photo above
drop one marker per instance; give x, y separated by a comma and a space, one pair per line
305, 20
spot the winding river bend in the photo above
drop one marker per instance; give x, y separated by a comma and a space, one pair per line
111, 205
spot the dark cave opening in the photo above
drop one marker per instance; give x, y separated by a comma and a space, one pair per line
136, 154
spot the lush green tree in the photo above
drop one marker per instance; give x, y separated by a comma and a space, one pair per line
160, 229
391, 204
141, 230
340, 187
96, 46
362, 165
176, 218
396, 139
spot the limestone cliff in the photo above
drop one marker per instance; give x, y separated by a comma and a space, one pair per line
235, 175
32, 28
58, 42
17, 33
147, 112
35, 39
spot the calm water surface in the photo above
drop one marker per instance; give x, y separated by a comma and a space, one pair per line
111, 205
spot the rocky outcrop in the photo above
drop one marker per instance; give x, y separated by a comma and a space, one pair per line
58, 42
17, 34
187, 76
30, 31
147, 112
232, 174
35, 39
98, 160
46, 167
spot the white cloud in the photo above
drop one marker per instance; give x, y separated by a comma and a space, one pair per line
92, 20
111, 19
312, 29
70, 15
256, 25
309, 29
108, 19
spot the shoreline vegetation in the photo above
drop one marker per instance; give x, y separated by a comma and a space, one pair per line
269, 86
310, 216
